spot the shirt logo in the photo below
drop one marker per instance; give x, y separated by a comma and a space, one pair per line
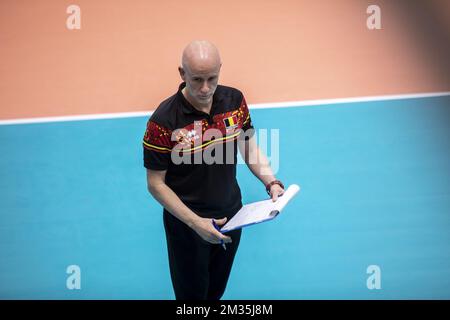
230, 122
187, 137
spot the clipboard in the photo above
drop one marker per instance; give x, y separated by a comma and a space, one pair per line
260, 211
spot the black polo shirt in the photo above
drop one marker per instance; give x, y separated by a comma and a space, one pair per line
199, 151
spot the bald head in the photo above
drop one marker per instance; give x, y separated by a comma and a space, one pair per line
200, 69
200, 56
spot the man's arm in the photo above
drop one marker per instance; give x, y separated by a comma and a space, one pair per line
259, 165
168, 199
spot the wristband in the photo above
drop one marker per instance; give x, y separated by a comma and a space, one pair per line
269, 185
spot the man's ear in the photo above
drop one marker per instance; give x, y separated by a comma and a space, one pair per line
182, 73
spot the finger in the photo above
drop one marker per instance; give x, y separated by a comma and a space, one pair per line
217, 235
219, 238
274, 196
220, 222
226, 239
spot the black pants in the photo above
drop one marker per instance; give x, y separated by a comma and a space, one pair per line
199, 269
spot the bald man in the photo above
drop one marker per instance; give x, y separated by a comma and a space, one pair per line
190, 153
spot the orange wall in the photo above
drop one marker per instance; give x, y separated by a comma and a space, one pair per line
126, 54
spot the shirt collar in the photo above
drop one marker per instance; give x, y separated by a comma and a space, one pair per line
186, 106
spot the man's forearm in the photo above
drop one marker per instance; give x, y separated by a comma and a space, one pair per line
169, 200
261, 167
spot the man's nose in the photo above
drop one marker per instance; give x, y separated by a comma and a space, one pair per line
204, 88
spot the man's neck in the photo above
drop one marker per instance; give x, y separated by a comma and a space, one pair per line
206, 108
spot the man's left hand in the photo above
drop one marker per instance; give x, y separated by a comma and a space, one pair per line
275, 191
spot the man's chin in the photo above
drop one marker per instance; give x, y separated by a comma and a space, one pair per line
204, 100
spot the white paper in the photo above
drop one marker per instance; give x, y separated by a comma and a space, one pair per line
260, 211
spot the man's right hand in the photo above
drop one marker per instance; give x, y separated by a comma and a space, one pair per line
206, 230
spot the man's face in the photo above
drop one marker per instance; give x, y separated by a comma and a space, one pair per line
201, 83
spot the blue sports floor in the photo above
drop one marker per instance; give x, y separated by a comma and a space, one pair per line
375, 180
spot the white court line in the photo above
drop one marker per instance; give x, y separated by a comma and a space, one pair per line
287, 104
77, 117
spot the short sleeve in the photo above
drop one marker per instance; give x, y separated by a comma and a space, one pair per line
157, 146
247, 125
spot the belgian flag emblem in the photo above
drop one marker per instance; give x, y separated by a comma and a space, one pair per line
230, 122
